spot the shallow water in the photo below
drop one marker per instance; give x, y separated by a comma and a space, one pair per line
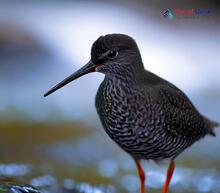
78, 159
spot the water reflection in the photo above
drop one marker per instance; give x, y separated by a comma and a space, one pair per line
87, 188
111, 166
14, 170
46, 183
184, 180
130, 183
68, 184
108, 168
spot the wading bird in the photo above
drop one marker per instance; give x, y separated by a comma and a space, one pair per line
147, 116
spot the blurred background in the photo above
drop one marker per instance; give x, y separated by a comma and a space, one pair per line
57, 143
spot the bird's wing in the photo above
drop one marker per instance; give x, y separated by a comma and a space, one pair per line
181, 116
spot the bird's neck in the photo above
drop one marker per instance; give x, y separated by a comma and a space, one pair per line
126, 76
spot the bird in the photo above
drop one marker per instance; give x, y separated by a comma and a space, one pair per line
147, 116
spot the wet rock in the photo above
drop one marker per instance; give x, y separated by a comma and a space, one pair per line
18, 189
75, 188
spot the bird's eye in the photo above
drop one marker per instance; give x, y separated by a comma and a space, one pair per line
112, 54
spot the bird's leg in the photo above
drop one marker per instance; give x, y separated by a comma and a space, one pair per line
141, 175
169, 176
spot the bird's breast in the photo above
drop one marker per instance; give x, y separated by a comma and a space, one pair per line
112, 103
120, 113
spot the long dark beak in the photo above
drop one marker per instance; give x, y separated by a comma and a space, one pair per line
89, 67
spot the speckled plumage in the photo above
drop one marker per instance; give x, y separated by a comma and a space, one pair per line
144, 114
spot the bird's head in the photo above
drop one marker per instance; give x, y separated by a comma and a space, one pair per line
113, 55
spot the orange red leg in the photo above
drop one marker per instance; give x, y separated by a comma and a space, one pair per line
141, 175
169, 176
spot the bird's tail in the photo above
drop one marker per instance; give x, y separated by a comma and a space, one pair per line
211, 126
